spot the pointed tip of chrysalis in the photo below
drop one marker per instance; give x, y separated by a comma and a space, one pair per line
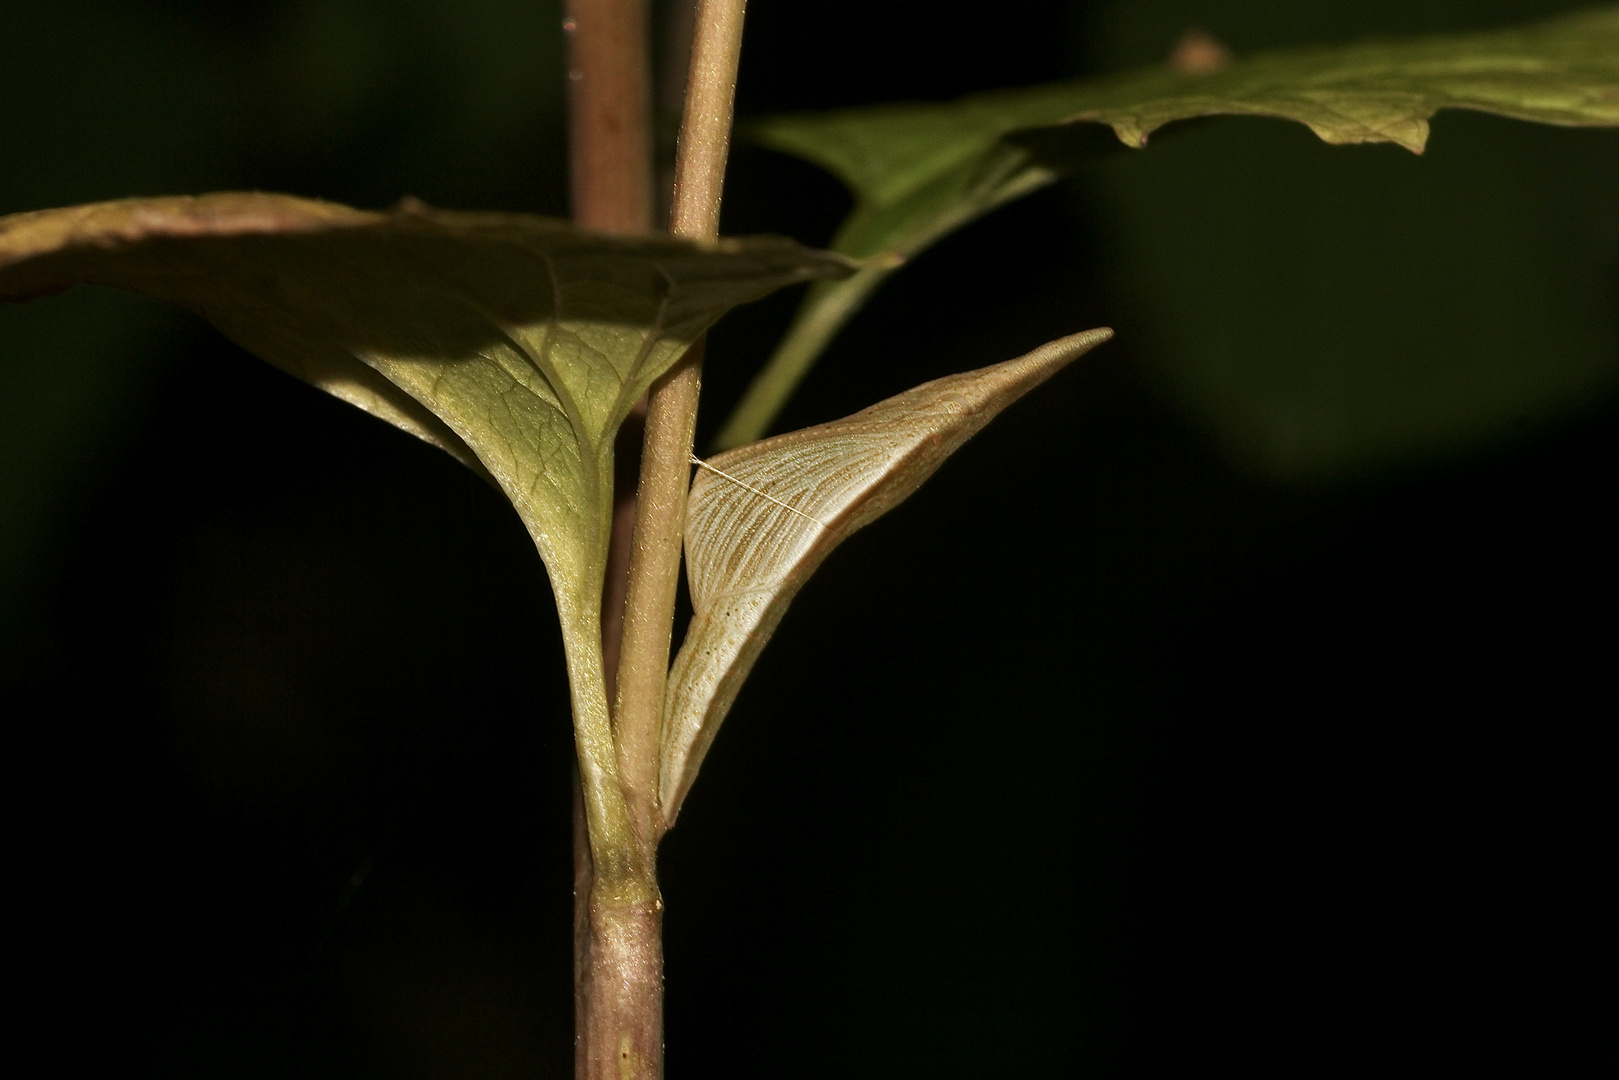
1051, 357
1011, 379
762, 499
1086, 340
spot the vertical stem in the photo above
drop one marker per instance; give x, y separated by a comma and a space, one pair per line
705, 130
583, 880
626, 468
618, 930
610, 153
623, 986
660, 515
610, 114
705, 138
618, 960
618, 945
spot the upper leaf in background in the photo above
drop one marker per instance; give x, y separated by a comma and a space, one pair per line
919, 172
762, 517
517, 343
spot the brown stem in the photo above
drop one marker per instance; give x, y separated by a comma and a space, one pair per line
610, 114
622, 981
622, 991
626, 468
618, 967
618, 930
583, 878
610, 152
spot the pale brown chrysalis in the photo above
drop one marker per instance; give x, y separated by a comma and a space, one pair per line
762, 517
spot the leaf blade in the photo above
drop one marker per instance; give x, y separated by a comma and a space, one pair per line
514, 341
475, 307
921, 171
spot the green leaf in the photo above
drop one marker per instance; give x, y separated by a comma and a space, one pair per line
761, 518
1323, 315
514, 342
919, 172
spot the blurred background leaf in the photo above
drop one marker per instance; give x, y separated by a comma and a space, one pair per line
920, 170
1332, 311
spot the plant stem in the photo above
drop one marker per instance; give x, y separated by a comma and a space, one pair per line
705, 130
705, 138
610, 114
618, 959
622, 988
611, 160
618, 949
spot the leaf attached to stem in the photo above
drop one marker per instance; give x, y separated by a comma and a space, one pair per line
516, 343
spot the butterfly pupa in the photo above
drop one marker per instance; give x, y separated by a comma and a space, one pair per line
761, 518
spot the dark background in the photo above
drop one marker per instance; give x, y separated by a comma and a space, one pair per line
1140, 741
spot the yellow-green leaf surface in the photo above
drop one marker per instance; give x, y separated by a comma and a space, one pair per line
921, 171
762, 517
515, 342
